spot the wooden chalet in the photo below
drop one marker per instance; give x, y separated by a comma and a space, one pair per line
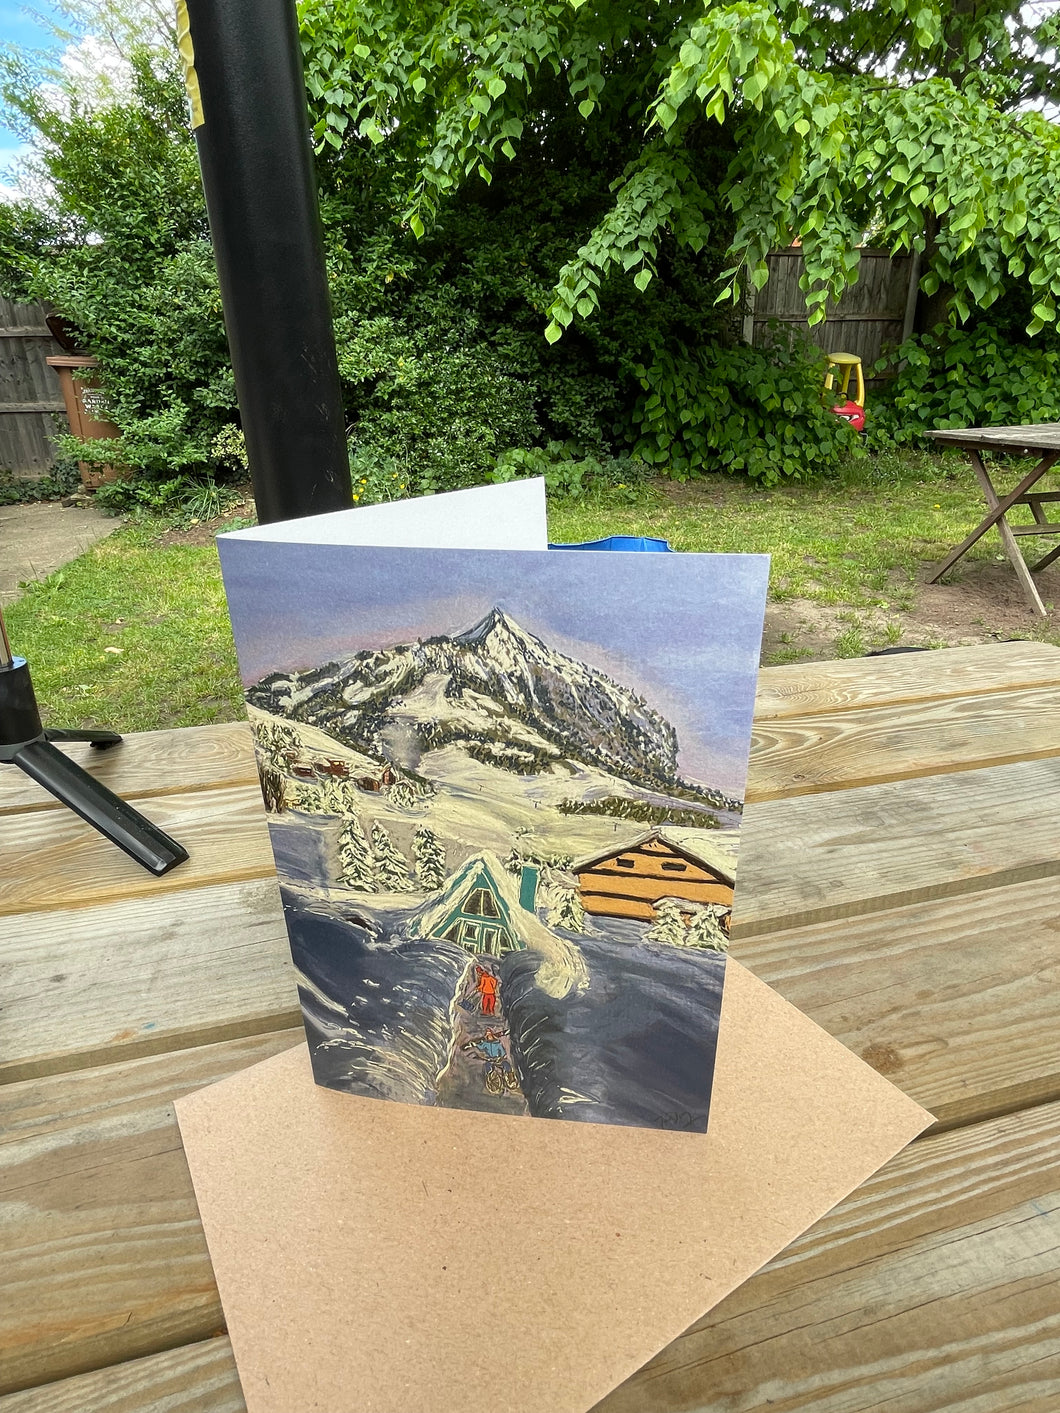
337, 769
374, 783
627, 882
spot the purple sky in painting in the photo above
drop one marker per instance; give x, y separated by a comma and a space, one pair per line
681, 629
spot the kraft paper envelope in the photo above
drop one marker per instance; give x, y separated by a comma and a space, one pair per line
377, 1257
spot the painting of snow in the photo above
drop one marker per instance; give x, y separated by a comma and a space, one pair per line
504, 792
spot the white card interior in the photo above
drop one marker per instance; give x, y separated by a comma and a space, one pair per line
503, 517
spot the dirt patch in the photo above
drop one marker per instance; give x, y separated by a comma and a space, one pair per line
983, 604
203, 532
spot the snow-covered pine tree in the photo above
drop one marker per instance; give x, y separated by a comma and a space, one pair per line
430, 859
403, 795
273, 739
669, 924
706, 932
565, 909
355, 857
391, 866
304, 795
336, 796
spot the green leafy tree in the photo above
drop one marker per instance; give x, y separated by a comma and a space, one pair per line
115, 238
828, 120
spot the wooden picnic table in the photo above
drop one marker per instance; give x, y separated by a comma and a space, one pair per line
898, 882
1041, 439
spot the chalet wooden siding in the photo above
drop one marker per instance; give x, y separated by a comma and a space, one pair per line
629, 882
872, 315
31, 405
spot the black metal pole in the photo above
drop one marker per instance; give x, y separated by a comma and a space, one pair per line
244, 69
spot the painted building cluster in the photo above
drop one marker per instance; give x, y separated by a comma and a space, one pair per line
487, 910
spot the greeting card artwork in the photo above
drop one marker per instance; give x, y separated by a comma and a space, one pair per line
504, 791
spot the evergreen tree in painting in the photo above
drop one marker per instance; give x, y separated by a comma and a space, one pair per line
391, 866
336, 797
669, 924
403, 795
430, 859
355, 857
565, 909
705, 931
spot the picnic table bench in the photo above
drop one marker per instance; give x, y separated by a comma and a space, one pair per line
1040, 439
898, 882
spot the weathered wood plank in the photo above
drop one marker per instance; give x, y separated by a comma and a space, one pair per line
957, 1001
54, 860
813, 688
104, 1254
1032, 436
930, 1284
194, 1378
842, 751
150, 763
816, 858
99, 984
932, 1287
153, 763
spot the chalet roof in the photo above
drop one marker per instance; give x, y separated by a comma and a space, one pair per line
564, 967
706, 854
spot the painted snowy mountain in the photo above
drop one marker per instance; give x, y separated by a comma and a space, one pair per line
496, 690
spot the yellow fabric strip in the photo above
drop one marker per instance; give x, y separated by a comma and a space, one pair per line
187, 59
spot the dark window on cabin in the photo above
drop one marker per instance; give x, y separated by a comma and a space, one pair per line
626, 863
453, 935
481, 904
674, 867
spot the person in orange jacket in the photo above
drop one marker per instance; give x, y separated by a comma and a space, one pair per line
486, 984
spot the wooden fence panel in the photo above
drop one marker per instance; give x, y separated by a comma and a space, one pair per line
869, 317
30, 400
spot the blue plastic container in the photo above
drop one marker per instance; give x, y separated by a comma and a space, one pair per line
636, 544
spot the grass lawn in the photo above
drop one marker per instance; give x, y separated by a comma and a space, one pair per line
135, 634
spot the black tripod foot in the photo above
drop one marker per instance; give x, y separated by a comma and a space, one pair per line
100, 807
25, 743
98, 739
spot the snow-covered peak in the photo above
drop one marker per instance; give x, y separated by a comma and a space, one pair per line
575, 709
494, 629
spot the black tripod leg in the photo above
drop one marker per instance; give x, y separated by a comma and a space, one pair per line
100, 807
99, 739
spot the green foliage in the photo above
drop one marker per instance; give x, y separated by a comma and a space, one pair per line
972, 377
739, 409
567, 474
829, 120
127, 261
63, 478
530, 214
437, 421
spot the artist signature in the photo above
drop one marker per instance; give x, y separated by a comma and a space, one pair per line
684, 1119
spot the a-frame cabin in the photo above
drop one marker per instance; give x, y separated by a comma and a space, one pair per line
484, 909
627, 882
